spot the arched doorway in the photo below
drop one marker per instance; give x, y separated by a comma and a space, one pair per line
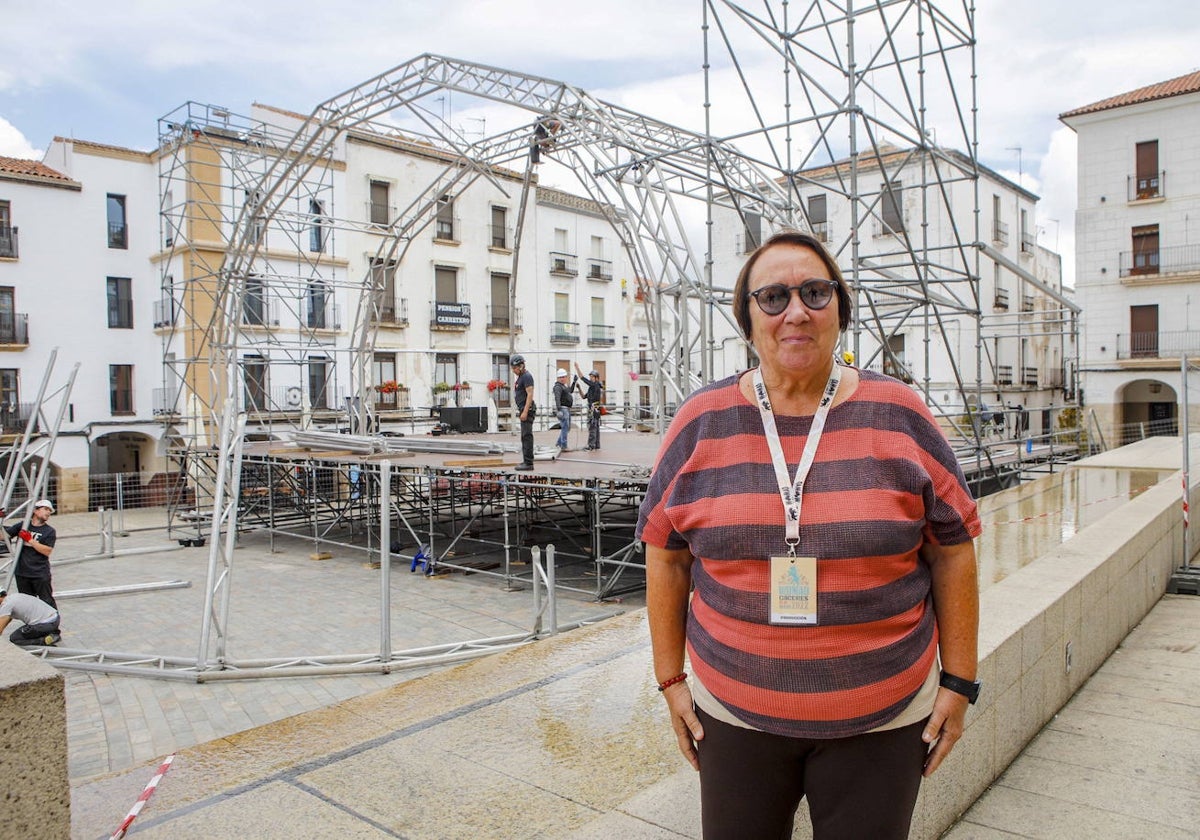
120, 464
1149, 408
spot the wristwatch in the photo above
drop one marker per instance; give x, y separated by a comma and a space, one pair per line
967, 688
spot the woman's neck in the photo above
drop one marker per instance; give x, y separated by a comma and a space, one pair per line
796, 392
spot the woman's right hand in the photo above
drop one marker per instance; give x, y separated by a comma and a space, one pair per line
684, 721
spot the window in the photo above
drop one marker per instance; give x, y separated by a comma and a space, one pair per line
318, 382
1143, 331
253, 201
892, 207
120, 388
445, 218
10, 400
445, 284
562, 306
501, 380
383, 285
120, 303
499, 227
317, 230
383, 369
1147, 184
168, 210
254, 383
118, 232
8, 233
12, 325
1145, 250
501, 317
818, 216
254, 308
445, 368
999, 228
751, 231
317, 306
380, 209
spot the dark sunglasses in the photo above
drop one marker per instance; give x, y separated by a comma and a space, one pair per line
815, 294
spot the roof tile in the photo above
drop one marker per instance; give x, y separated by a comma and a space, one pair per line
1178, 86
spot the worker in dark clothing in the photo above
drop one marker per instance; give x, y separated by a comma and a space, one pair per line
523, 394
594, 394
33, 561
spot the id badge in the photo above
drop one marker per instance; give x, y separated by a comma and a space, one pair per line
793, 590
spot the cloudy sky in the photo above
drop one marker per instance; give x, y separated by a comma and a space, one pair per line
107, 71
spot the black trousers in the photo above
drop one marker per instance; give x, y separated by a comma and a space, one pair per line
38, 588
751, 783
33, 634
527, 440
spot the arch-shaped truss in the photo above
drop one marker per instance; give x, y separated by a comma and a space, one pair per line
854, 100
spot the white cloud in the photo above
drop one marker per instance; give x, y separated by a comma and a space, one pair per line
14, 144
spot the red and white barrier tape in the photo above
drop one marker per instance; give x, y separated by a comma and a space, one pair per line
137, 806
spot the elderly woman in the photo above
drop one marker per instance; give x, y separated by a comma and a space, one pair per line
826, 528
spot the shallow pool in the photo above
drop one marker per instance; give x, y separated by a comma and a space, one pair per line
1023, 523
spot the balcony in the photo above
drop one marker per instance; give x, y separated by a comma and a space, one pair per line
444, 228
1028, 242
1158, 345
450, 315
1146, 188
392, 313
381, 214
14, 329
118, 235
598, 269
1004, 374
1029, 376
258, 311
566, 265
999, 232
166, 311
15, 416
502, 319
564, 332
1026, 303
316, 316
644, 367
601, 335
8, 242
1178, 259
500, 237
1000, 300
889, 227
821, 231
165, 401
397, 400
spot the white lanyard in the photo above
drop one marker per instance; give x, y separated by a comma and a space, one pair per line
791, 492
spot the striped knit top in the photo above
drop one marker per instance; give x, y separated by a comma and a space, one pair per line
884, 482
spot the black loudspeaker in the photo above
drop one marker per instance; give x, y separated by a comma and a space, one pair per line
467, 419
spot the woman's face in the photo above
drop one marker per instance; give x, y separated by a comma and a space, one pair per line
799, 338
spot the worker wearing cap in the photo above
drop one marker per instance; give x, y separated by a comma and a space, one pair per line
33, 561
594, 394
526, 410
562, 407
39, 620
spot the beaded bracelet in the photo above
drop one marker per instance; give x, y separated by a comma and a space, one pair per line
665, 684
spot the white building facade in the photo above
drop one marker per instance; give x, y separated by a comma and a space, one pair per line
1019, 349
1138, 254
113, 256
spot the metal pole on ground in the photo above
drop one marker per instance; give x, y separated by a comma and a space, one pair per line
385, 561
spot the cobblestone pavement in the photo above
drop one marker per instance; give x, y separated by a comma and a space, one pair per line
282, 604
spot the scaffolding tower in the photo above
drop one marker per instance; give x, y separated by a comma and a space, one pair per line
825, 93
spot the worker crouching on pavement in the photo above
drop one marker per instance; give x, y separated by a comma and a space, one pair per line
39, 620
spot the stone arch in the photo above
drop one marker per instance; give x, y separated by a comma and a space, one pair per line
1146, 408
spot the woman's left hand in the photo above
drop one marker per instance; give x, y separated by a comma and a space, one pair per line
944, 728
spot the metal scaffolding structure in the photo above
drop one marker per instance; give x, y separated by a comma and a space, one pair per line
251, 226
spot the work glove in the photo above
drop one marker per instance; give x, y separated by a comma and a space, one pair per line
25, 535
